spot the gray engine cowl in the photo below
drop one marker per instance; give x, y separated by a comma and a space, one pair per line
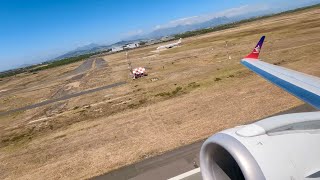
223, 157
280, 147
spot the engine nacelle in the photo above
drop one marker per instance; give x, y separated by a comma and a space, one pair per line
281, 147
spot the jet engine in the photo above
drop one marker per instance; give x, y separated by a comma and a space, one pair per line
284, 147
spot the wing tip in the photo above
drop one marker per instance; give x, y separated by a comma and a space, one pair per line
256, 51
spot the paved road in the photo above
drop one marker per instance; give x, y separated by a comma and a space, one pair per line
101, 63
83, 68
43, 103
160, 167
171, 163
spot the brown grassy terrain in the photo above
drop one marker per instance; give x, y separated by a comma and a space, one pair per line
198, 91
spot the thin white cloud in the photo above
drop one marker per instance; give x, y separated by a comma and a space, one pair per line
232, 12
243, 10
246, 9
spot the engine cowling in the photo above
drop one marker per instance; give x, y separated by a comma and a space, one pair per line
280, 147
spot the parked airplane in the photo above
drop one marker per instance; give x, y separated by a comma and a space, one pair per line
279, 147
167, 46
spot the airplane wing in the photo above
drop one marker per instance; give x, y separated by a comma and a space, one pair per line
303, 86
278, 147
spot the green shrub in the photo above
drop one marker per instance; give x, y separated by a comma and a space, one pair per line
176, 90
193, 85
163, 94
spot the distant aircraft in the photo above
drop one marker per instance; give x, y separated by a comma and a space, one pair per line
279, 147
167, 46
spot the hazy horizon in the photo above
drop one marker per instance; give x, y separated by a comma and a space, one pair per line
37, 31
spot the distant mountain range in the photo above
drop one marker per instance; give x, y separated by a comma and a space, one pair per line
91, 48
191, 27
169, 31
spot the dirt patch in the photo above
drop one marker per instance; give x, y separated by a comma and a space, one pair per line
77, 77
56, 108
73, 85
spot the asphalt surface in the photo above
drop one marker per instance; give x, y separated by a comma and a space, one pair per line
69, 96
160, 167
100, 63
171, 163
84, 67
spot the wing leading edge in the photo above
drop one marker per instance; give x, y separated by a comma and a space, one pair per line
303, 86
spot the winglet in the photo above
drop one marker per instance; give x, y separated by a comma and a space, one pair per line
255, 53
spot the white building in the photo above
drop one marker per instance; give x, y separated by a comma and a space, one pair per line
116, 49
133, 45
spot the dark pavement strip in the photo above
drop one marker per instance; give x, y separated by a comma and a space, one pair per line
61, 98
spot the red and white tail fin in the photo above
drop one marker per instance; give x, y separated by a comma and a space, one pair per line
256, 51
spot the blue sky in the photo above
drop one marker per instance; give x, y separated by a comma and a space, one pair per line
37, 30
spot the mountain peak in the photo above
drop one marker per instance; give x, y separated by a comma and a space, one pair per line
86, 47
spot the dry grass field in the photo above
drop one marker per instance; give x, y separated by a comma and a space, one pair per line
192, 92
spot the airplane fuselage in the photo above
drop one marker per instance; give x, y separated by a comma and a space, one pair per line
168, 46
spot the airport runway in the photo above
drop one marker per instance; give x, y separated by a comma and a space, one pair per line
69, 96
171, 163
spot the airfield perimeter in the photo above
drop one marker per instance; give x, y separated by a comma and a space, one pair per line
191, 92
